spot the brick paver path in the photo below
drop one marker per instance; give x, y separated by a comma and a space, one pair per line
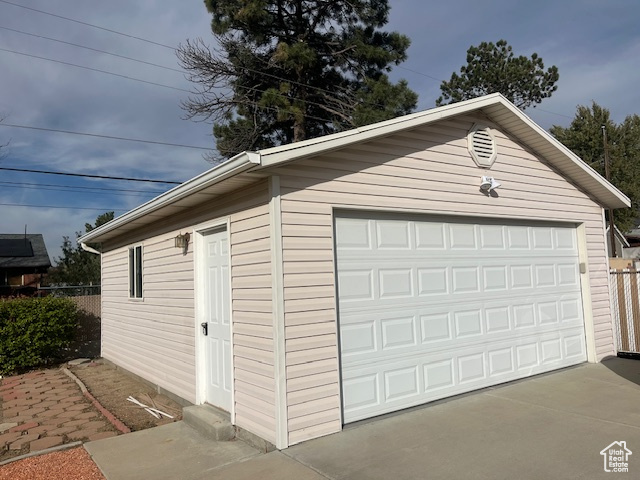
44, 409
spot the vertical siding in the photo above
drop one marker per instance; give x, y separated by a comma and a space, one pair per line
155, 337
426, 170
253, 322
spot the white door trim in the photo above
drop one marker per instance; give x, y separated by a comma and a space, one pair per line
199, 253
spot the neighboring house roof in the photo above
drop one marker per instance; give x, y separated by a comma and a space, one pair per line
23, 251
619, 235
635, 232
245, 168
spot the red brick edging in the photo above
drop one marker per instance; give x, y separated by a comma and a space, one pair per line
121, 427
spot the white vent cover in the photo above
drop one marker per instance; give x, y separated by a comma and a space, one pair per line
482, 145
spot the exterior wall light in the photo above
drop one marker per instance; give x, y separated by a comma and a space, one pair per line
182, 241
488, 184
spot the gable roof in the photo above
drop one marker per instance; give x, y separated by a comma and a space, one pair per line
245, 168
18, 250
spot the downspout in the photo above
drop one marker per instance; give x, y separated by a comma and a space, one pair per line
86, 248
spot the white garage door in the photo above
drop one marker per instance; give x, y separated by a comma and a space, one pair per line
430, 309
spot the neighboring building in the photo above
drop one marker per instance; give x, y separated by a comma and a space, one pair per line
23, 262
311, 285
621, 242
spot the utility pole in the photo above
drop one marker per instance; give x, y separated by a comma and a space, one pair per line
607, 175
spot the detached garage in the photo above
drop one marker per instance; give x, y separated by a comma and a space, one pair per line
311, 285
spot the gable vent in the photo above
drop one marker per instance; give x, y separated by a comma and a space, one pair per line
482, 145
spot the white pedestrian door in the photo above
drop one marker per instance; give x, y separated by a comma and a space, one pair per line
218, 326
431, 308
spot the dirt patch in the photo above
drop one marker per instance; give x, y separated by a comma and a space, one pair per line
111, 387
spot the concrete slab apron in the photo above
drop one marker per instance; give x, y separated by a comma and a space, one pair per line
553, 426
168, 452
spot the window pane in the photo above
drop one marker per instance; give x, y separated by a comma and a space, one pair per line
139, 272
132, 282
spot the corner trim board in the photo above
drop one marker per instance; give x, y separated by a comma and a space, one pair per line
277, 298
585, 286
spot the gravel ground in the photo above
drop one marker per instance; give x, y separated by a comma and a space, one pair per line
74, 464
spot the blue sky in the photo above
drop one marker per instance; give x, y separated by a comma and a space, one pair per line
594, 44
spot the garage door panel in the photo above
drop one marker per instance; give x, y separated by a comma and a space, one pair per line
430, 309
389, 256
569, 305
384, 236
413, 279
406, 382
377, 332
366, 353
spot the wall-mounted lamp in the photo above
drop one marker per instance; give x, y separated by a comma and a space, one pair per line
488, 184
182, 241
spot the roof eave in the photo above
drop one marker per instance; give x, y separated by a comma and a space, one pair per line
609, 196
603, 191
232, 167
294, 151
606, 194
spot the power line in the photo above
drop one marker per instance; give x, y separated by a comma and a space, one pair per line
165, 46
89, 25
62, 206
141, 61
80, 187
440, 80
73, 190
143, 81
95, 70
420, 73
161, 84
109, 137
92, 49
104, 177
554, 113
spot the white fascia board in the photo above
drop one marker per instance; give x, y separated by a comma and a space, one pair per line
235, 165
623, 200
315, 146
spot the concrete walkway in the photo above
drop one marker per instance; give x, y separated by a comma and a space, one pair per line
549, 426
44, 409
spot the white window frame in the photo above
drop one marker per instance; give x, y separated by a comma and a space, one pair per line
136, 266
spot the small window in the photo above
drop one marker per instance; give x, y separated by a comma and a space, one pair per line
135, 272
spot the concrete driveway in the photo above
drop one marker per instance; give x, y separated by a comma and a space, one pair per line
550, 426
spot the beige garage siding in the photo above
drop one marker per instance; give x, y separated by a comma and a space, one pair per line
152, 337
155, 337
427, 170
253, 322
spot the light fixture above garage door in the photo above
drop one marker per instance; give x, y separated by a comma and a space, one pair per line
482, 145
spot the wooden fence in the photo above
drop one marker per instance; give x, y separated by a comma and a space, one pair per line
626, 309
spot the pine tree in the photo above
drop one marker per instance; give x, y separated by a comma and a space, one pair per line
284, 71
493, 68
584, 137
